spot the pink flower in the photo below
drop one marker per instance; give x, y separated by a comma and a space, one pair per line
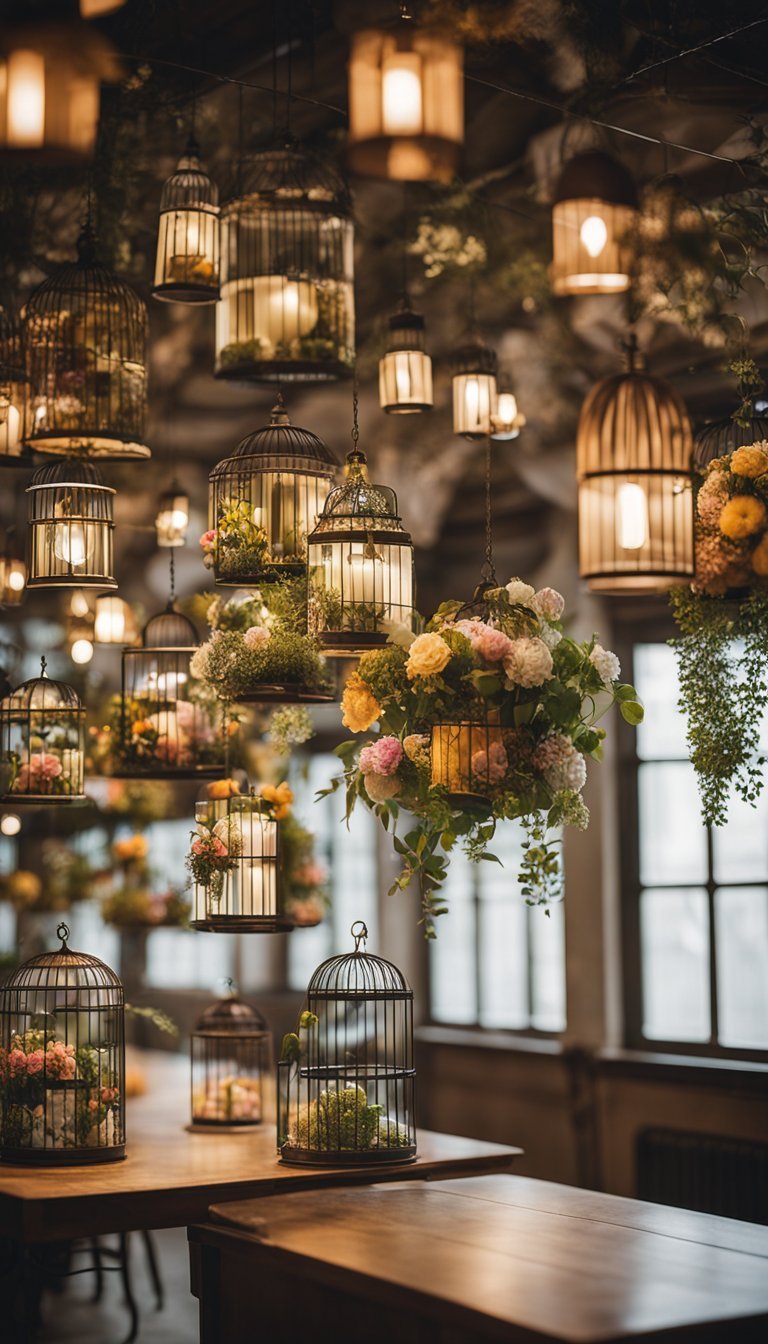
256, 636
35, 1061
17, 1063
40, 768
108, 1094
93, 1105
470, 629
382, 757
490, 767
492, 645
218, 847
198, 847
208, 541
548, 603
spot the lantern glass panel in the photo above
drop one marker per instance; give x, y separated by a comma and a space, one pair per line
237, 890
188, 241
231, 1050
348, 1096
62, 1047
42, 743
474, 404
70, 527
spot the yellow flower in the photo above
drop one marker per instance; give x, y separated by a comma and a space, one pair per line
742, 516
22, 888
752, 461
223, 788
280, 796
359, 709
427, 656
760, 558
135, 847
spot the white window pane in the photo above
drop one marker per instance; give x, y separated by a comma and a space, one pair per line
88, 933
741, 923
674, 933
547, 933
673, 841
453, 967
662, 732
168, 846
184, 959
503, 957
741, 847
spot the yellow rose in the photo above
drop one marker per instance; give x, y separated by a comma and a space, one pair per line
760, 558
752, 461
359, 709
742, 516
427, 656
223, 788
280, 797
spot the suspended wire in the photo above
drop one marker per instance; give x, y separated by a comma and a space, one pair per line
691, 51
488, 571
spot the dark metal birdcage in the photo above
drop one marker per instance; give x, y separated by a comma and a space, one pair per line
360, 562
722, 437
188, 244
62, 1060
169, 722
235, 866
42, 743
346, 1078
468, 757
70, 527
633, 459
231, 1050
405, 370
86, 339
15, 400
287, 301
264, 499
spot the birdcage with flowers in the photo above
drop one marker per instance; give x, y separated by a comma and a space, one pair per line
42, 743
234, 864
62, 1060
346, 1077
231, 1050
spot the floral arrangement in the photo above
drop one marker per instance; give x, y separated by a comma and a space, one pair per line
488, 714
256, 649
232, 1099
66, 878
236, 544
45, 768
54, 1095
133, 903
304, 878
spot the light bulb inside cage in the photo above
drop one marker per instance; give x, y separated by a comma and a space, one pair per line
633, 450
50, 75
360, 563
172, 519
475, 393
264, 500
406, 104
235, 867
508, 420
114, 621
42, 741
187, 261
70, 527
594, 208
405, 370
231, 1056
13, 579
287, 308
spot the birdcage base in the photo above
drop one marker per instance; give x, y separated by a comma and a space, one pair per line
636, 583
187, 293
284, 371
67, 443
284, 695
344, 1158
41, 799
348, 643
288, 569
243, 924
72, 581
190, 773
63, 1157
418, 158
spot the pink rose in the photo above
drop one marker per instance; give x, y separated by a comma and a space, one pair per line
218, 846
490, 767
208, 540
35, 1061
93, 1105
17, 1063
256, 636
492, 645
382, 757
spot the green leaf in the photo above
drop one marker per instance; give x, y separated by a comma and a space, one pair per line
485, 683
632, 712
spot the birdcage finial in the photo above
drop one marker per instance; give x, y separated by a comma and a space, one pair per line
43, 666
229, 984
362, 935
62, 933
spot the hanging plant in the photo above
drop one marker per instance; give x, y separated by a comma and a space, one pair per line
488, 715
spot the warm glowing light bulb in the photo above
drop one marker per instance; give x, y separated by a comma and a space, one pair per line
401, 101
69, 544
402, 377
78, 603
17, 576
594, 234
632, 517
472, 398
366, 575
81, 651
10, 824
191, 233
25, 109
10, 429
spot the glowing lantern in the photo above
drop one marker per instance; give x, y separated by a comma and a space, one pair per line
595, 204
474, 390
405, 371
187, 259
70, 527
172, 518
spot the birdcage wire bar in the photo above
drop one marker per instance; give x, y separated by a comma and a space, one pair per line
62, 1061
187, 260
231, 1062
467, 758
42, 743
243, 892
15, 400
347, 1095
70, 532
722, 437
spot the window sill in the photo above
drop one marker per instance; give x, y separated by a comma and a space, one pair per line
743, 1075
483, 1038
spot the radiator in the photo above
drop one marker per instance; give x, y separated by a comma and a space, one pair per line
708, 1172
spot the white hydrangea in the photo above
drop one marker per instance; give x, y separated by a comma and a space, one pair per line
528, 663
606, 664
550, 604
562, 766
549, 635
520, 594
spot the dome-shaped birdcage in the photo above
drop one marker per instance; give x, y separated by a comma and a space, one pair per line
594, 207
70, 527
287, 298
188, 244
264, 499
405, 370
231, 1051
360, 562
633, 460
169, 722
62, 1060
42, 743
235, 867
15, 401
86, 338
346, 1078
475, 368
722, 437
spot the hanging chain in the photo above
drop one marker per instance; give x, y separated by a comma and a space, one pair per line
355, 410
488, 571
172, 568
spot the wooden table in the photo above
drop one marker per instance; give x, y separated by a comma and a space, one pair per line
489, 1258
170, 1176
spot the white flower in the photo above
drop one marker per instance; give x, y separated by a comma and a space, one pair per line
562, 766
548, 603
549, 635
606, 664
520, 594
528, 663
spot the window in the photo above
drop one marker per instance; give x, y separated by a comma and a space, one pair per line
182, 958
497, 962
695, 899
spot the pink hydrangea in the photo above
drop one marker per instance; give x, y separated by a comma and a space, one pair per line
562, 766
492, 645
528, 663
490, 767
470, 629
550, 604
382, 757
40, 769
256, 636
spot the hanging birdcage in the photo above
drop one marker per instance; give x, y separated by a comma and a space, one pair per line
70, 527
474, 389
633, 460
346, 1078
234, 862
15, 399
287, 303
594, 207
168, 721
360, 563
187, 260
42, 743
405, 371
467, 757
231, 1050
722, 437
86, 340
263, 500
172, 518
114, 621
13, 574
62, 1060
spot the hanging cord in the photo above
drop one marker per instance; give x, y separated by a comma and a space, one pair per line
274, 69
405, 242
240, 140
289, 87
488, 571
172, 571
355, 411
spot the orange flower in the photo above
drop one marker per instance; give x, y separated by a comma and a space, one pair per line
280, 796
223, 788
141, 726
751, 461
742, 516
359, 709
760, 558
